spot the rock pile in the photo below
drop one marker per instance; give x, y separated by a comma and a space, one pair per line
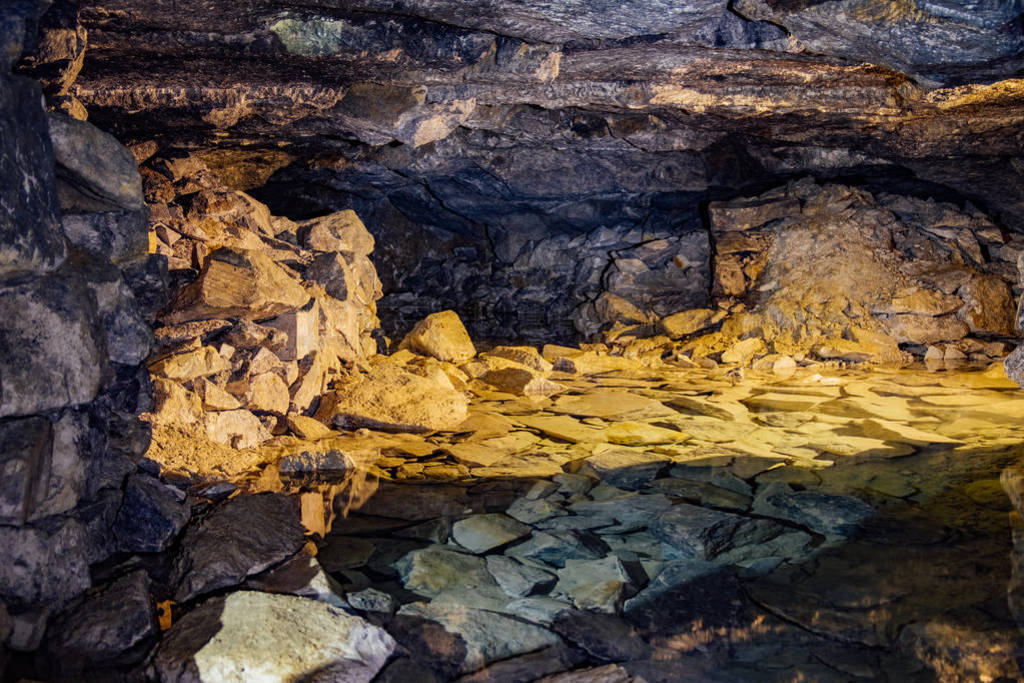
266, 313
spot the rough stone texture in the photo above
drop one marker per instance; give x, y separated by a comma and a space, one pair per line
150, 517
259, 636
442, 336
392, 399
214, 555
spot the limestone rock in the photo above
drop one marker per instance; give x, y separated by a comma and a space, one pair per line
523, 355
118, 235
922, 329
237, 283
521, 381
215, 398
202, 362
685, 323
43, 565
341, 231
625, 467
308, 428
247, 635
214, 555
517, 579
236, 428
442, 336
826, 514
743, 351
704, 534
392, 399
988, 305
267, 393
435, 570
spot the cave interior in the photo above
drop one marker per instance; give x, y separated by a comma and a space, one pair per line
514, 340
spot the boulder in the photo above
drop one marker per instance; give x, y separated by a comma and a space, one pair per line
59, 357
150, 517
442, 336
925, 329
988, 305
395, 400
120, 235
110, 627
332, 272
97, 171
31, 239
174, 404
826, 514
341, 231
237, 283
517, 579
267, 393
685, 592
215, 555
436, 570
262, 636
43, 565
523, 355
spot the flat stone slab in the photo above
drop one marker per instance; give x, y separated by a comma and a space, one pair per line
563, 427
899, 432
611, 404
481, 533
625, 467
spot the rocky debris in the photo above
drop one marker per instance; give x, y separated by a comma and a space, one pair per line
441, 336
393, 399
214, 556
277, 637
239, 429
521, 381
823, 513
625, 468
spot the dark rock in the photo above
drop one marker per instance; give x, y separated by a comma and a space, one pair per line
119, 236
558, 546
112, 625
602, 636
214, 555
527, 667
96, 172
151, 516
684, 592
45, 564
30, 229
703, 534
823, 513
303, 576
280, 636
59, 360
331, 464
405, 670
436, 570
482, 533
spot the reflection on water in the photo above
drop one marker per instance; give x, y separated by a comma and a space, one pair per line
857, 516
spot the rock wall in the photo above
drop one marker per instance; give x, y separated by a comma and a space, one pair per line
72, 342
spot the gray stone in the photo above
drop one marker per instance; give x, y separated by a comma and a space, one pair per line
599, 585
372, 600
129, 337
824, 513
111, 626
323, 465
1013, 365
436, 570
558, 546
703, 534
331, 271
630, 510
625, 468
517, 579
120, 236
97, 171
481, 533
57, 360
31, 239
151, 515
248, 635
532, 511
487, 636
214, 555
43, 565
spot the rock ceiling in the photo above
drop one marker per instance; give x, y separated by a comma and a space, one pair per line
548, 99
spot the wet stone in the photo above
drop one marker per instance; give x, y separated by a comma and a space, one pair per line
435, 570
703, 534
625, 468
602, 636
371, 600
481, 533
518, 579
685, 591
824, 513
556, 547
151, 515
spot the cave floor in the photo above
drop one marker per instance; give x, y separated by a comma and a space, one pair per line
686, 524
